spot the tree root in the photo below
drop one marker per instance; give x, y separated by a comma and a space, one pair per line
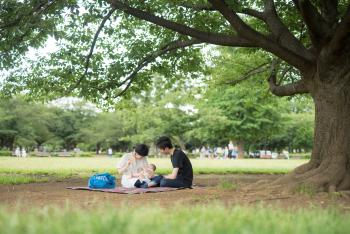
305, 167
324, 178
270, 199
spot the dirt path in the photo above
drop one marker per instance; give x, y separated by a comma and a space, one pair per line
208, 191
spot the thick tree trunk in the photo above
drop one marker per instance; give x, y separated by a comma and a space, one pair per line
329, 167
240, 149
98, 147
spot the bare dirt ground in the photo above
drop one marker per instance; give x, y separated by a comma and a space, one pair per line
207, 190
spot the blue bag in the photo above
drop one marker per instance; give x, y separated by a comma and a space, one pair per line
102, 180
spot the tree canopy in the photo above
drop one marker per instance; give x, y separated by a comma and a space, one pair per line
107, 47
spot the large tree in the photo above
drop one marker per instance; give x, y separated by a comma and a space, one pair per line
24, 124
310, 36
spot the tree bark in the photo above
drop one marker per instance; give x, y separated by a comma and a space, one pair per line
98, 147
329, 167
240, 149
331, 150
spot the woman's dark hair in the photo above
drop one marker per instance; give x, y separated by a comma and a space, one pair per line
164, 142
141, 149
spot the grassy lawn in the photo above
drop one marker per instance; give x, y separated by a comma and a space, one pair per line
26, 170
199, 219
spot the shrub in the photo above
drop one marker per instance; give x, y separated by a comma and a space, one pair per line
300, 155
85, 154
5, 153
190, 155
118, 154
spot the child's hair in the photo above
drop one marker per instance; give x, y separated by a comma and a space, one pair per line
153, 167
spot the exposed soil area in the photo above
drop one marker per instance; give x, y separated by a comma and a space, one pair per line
227, 189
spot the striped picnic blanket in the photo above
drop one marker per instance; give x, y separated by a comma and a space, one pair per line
129, 190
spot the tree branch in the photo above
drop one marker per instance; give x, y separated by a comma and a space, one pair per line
207, 7
257, 70
212, 38
285, 71
296, 4
261, 40
37, 10
329, 11
197, 7
254, 13
281, 33
93, 44
342, 34
298, 87
172, 46
317, 26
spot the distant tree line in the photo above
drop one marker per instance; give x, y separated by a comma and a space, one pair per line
212, 120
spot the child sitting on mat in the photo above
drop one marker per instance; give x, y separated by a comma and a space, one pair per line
147, 177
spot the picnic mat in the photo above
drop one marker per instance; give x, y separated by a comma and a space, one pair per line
129, 190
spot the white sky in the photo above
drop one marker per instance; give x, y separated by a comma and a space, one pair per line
49, 47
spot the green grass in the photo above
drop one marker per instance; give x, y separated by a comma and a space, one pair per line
21, 179
305, 189
179, 219
300, 155
32, 168
227, 185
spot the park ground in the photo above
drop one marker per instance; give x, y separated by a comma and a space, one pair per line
43, 181
226, 189
223, 192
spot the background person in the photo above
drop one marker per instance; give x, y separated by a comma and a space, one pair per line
230, 149
110, 152
203, 152
226, 152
